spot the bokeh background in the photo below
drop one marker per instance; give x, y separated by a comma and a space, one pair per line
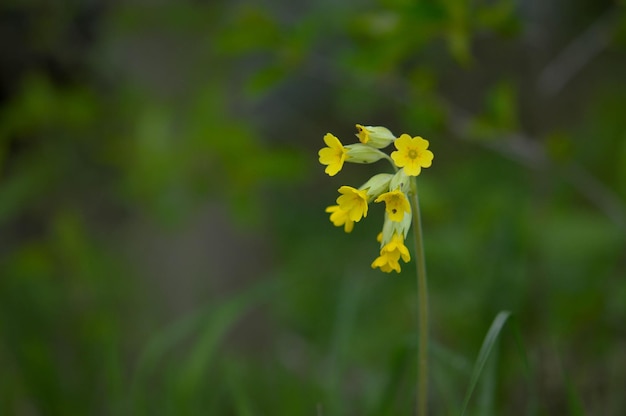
163, 242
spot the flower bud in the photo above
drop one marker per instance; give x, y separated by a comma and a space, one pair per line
378, 137
400, 181
360, 153
377, 185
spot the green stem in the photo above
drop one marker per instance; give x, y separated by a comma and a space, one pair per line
422, 294
390, 160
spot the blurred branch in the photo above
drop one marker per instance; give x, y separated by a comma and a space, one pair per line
516, 146
530, 153
598, 193
577, 54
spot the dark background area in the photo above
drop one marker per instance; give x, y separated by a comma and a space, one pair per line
163, 242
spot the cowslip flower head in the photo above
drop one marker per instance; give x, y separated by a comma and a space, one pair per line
412, 154
354, 202
396, 204
340, 217
333, 156
375, 136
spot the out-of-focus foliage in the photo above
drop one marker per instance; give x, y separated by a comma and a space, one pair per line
164, 246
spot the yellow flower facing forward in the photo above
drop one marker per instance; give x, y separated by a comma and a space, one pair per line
333, 156
354, 202
390, 254
396, 204
340, 217
412, 154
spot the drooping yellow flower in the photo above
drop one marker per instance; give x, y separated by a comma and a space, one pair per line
387, 262
340, 217
354, 202
333, 156
412, 154
396, 204
390, 254
390, 228
396, 247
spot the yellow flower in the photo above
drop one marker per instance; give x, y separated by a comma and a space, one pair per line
396, 204
391, 253
412, 154
340, 217
377, 137
354, 202
390, 228
333, 156
397, 248
386, 262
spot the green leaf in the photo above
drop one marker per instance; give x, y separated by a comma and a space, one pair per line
483, 354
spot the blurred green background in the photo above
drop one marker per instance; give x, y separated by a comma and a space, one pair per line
163, 243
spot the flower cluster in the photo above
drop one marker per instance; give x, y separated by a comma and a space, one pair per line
410, 156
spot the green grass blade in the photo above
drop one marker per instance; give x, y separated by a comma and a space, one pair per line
211, 322
156, 349
532, 402
574, 403
214, 327
487, 388
396, 372
345, 320
483, 355
235, 380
